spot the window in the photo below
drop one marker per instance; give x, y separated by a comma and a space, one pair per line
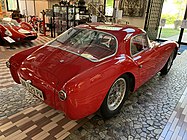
138, 44
12, 5
90, 44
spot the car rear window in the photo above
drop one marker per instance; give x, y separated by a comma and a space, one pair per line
90, 44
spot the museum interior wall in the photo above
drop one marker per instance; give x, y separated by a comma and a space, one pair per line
134, 12
34, 8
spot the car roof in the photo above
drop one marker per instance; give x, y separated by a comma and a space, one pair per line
115, 29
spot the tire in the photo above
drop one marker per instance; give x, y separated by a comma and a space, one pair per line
168, 64
2, 42
113, 103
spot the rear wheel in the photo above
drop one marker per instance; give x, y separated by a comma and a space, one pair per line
168, 64
115, 98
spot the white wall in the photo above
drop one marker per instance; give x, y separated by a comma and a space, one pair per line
30, 7
26, 4
41, 5
29, 4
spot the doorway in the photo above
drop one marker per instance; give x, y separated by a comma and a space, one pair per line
173, 14
109, 7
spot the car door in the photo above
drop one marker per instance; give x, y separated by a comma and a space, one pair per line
144, 57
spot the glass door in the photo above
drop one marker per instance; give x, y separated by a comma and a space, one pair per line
173, 12
109, 7
184, 31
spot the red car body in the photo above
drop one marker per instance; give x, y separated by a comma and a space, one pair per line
86, 82
16, 32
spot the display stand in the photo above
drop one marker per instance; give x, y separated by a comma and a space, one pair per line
38, 28
65, 17
43, 15
62, 19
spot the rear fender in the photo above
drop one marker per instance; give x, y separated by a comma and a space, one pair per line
169, 47
26, 26
17, 59
86, 91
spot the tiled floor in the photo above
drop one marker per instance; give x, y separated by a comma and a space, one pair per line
42, 122
147, 111
176, 127
5, 77
37, 123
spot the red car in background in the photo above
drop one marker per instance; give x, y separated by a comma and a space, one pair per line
11, 31
91, 67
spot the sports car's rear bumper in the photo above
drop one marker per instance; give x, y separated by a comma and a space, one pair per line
48, 91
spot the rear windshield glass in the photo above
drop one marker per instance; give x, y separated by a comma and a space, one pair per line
90, 44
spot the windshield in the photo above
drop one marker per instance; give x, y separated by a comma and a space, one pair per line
11, 22
90, 44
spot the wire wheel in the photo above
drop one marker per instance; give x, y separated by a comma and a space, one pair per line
116, 94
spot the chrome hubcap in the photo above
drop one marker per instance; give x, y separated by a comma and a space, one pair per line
116, 94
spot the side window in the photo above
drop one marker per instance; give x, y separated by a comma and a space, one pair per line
145, 42
138, 44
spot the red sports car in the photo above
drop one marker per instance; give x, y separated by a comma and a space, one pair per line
11, 31
91, 67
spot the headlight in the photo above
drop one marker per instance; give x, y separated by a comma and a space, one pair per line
8, 64
62, 95
8, 33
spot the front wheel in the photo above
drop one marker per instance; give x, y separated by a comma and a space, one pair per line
115, 98
168, 64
